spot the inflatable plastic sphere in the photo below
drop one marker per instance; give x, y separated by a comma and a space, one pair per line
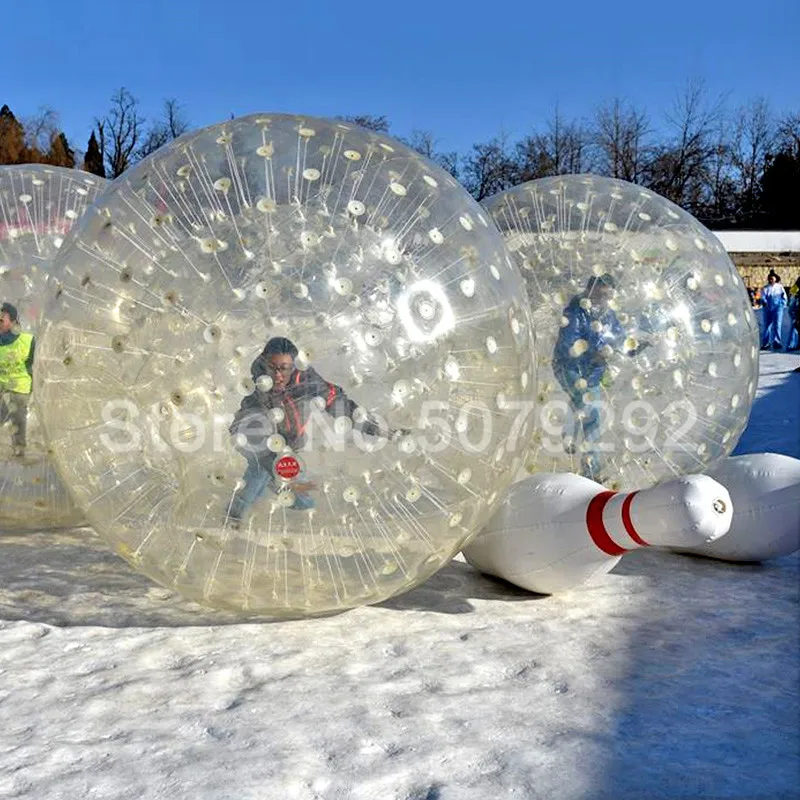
38, 206
646, 345
286, 368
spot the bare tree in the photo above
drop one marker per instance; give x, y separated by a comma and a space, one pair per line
753, 141
619, 140
424, 143
718, 206
45, 142
451, 162
372, 122
171, 125
561, 150
489, 168
119, 132
780, 183
789, 134
678, 169
41, 129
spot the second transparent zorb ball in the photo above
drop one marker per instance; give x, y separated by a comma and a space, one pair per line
289, 366
39, 205
646, 345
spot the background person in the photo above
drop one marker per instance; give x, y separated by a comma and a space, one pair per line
773, 300
16, 373
794, 315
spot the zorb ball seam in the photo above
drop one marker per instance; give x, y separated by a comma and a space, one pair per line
304, 365
39, 204
646, 345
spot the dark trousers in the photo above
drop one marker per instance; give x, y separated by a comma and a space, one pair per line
14, 409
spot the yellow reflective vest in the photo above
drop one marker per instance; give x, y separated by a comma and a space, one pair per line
14, 375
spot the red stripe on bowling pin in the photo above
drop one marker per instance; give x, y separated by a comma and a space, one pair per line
628, 522
597, 528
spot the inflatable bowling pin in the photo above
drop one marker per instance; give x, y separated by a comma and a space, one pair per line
765, 490
555, 531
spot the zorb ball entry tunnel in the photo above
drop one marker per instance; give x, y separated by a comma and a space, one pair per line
646, 345
283, 372
39, 205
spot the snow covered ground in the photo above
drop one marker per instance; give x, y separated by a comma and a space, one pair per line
672, 677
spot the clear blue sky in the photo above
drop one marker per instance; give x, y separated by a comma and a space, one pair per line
463, 70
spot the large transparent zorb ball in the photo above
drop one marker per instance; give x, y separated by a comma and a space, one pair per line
287, 367
646, 345
38, 206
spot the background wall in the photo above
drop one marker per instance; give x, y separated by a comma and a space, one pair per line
754, 267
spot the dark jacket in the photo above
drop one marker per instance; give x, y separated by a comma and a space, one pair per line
253, 421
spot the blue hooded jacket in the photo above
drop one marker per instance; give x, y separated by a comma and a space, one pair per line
590, 364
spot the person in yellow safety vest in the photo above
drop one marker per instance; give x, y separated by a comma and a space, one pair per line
16, 371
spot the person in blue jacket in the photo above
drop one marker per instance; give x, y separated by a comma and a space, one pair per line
794, 315
773, 301
291, 393
590, 334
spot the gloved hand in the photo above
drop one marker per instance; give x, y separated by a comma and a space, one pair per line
398, 433
266, 459
598, 359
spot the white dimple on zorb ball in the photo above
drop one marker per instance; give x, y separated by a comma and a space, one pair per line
642, 323
39, 205
276, 227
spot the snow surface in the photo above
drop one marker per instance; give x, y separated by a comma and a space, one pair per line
672, 677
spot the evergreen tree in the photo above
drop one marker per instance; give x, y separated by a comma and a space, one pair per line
93, 160
60, 153
12, 138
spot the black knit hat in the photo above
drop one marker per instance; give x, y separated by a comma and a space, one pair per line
7, 308
604, 281
278, 346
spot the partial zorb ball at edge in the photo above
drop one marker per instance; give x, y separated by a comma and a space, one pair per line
289, 366
39, 204
646, 345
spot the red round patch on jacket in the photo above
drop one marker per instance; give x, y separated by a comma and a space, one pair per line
287, 467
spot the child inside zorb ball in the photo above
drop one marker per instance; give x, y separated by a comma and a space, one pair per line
304, 366
590, 334
277, 416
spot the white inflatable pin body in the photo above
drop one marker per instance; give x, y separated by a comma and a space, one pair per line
556, 531
765, 490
